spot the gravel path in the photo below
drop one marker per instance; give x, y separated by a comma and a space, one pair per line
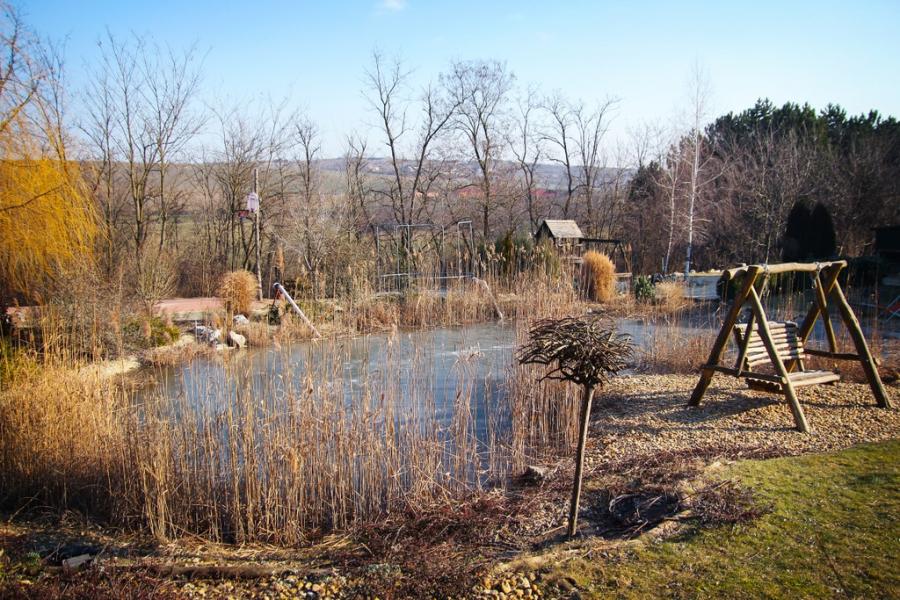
646, 413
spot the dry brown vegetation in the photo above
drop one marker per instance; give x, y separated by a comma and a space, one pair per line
669, 297
598, 276
273, 460
238, 290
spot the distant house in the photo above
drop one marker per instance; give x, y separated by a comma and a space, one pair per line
562, 232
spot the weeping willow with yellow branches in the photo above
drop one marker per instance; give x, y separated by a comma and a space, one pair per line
47, 220
46, 216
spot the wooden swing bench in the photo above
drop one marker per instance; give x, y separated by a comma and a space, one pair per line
788, 346
783, 344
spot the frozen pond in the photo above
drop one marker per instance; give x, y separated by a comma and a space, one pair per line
435, 365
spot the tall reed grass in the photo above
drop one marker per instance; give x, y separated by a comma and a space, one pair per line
598, 276
238, 289
278, 458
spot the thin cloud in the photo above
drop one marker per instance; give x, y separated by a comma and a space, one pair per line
393, 5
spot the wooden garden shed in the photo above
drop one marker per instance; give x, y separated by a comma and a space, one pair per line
562, 232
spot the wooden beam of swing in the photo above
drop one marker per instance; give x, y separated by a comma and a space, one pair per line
744, 345
834, 355
832, 270
831, 286
789, 393
732, 371
784, 268
715, 355
862, 348
823, 310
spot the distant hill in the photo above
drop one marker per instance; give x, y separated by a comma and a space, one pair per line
551, 176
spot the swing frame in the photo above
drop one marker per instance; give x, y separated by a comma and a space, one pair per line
825, 281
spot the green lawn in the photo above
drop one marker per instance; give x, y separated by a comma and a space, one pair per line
833, 532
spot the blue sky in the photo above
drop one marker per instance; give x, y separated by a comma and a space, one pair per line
642, 53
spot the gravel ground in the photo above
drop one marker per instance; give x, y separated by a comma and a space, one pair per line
642, 414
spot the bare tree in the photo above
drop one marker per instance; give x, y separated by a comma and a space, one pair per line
134, 146
139, 121
309, 145
356, 183
671, 180
644, 210
481, 90
413, 172
313, 212
591, 125
99, 129
644, 142
699, 176
253, 142
527, 150
171, 82
559, 134
766, 179
22, 73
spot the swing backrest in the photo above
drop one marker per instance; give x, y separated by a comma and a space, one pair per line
788, 344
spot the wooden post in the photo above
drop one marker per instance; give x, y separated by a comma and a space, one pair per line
586, 398
718, 348
862, 349
826, 319
813, 312
766, 335
280, 289
745, 343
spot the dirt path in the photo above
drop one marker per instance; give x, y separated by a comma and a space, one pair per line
197, 309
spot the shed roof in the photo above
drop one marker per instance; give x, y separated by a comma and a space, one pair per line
562, 228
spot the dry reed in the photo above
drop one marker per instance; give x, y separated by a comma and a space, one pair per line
669, 297
238, 290
248, 457
598, 276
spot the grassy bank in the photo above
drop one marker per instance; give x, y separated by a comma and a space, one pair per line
833, 531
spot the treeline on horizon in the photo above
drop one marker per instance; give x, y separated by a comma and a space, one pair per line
134, 190
783, 183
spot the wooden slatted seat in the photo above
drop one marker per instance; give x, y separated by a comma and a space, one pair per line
788, 346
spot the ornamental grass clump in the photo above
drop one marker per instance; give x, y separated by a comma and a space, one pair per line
598, 276
238, 290
583, 350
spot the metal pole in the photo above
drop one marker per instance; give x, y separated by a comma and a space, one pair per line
258, 214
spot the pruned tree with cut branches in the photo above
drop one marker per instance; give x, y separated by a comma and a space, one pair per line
586, 351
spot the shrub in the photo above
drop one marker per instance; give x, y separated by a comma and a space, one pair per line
150, 333
598, 275
643, 289
273, 317
238, 290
